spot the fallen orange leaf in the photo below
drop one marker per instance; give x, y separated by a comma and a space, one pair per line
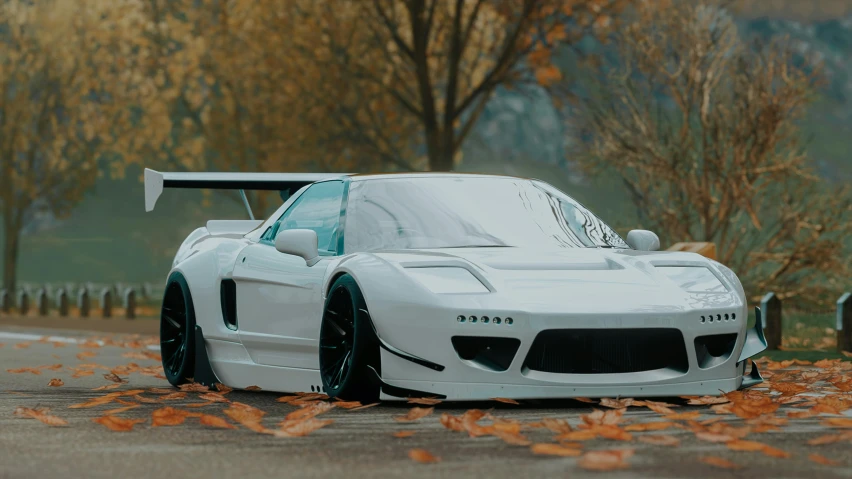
819, 459
252, 388
167, 416
510, 437
55, 383
222, 388
558, 426
548, 449
613, 432
719, 462
244, 414
830, 439
348, 404
659, 407
742, 445
684, 416
660, 440
714, 437
583, 435
451, 422
213, 397
649, 426
173, 396
775, 452
506, 401
85, 354
841, 422
620, 403
161, 391
403, 434
40, 415
107, 387
117, 424
308, 412
469, 421
215, 421
705, 400
605, 460
415, 413
193, 388
600, 417
301, 427
365, 406
424, 401
422, 456
120, 409
114, 378
788, 388
24, 370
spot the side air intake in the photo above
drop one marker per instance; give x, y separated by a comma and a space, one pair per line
228, 297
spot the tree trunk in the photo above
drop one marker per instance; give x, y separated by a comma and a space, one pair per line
11, 238
439, 148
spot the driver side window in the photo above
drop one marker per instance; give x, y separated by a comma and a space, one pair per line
317, 209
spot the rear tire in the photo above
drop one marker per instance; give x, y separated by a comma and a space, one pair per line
349, 347
177, 331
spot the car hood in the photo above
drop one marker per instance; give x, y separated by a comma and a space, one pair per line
592, 279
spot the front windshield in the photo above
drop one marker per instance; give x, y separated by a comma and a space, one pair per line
466, 212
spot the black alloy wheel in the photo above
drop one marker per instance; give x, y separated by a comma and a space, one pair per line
349, 347
177, 325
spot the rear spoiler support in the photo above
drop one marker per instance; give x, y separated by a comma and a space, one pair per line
156, 181
245, 202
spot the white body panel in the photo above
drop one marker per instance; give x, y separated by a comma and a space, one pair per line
280, 301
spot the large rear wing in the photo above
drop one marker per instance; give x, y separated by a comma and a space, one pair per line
156, 181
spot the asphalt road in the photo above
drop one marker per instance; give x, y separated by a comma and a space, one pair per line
359, 443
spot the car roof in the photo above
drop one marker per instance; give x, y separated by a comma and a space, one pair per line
379, 176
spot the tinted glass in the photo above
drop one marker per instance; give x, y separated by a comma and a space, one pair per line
317, 209
435, 212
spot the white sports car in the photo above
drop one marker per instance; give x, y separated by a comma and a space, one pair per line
453, 286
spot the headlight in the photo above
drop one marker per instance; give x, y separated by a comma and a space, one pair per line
442, 280
694, 279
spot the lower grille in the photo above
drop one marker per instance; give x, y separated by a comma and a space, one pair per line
607, 351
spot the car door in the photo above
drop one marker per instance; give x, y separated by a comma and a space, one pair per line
279, 297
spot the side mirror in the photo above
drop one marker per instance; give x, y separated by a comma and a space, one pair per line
299, 243
643, 240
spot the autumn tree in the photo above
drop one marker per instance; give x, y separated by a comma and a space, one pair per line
335, 85
52, 120
702, 127
437, 63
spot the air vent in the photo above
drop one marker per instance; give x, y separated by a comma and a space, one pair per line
714, 349
494, 354
717, 318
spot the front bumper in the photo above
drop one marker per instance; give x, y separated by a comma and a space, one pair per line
461, 379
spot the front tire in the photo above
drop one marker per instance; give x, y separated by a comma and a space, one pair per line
177, 331
349, 347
